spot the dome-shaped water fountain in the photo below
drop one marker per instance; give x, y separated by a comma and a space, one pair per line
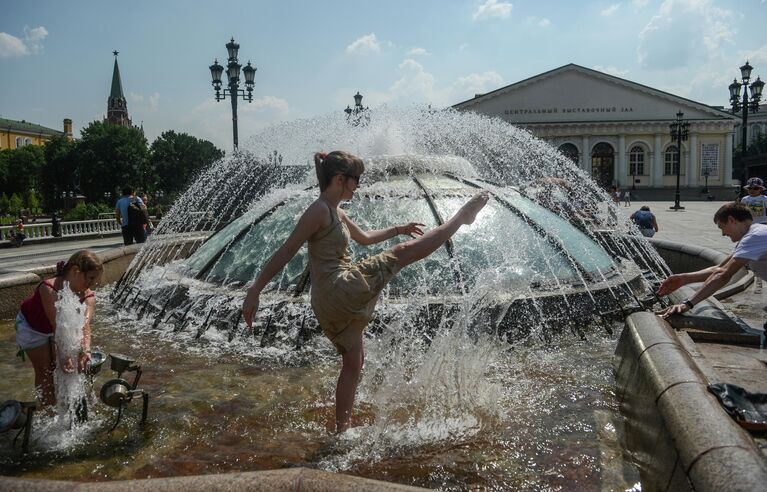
525, 261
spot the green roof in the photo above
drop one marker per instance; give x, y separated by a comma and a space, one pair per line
117, 86
26, 127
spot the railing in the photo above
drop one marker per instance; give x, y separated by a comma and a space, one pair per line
100, 227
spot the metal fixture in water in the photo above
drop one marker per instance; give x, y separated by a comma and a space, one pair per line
118, 392
17, 415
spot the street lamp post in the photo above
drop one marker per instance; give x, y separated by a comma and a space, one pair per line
233, 84
745, 106
357, 115
706, 174
680, 129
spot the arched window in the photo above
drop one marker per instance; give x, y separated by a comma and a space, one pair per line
28, 141
671, 162
636, 161
570, 151
19, 142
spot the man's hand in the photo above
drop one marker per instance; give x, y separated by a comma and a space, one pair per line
675, 309
671, 284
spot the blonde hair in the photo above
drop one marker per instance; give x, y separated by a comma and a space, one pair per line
334, 163
86, 261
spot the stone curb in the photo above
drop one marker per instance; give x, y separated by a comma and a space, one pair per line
676, 428
290, 479
17, 286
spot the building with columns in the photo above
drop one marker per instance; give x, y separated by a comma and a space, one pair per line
615, 129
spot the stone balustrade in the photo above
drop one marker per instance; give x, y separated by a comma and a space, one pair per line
76, 228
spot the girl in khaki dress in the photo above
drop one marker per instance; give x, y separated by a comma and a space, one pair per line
344, 294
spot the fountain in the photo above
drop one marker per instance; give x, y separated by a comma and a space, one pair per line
492, 354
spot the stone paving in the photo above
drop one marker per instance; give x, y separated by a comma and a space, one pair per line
31, 256
693, 225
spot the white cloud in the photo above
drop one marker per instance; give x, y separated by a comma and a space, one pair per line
154, 101
611, 70
137, 98
365, 45
463, 47
477, 83
492, 9
11, 46
415, 81
685, 33
757, 57
640, 3
612, 9
539, 21
417, 51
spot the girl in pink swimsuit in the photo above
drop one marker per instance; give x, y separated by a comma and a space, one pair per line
36, 321
344, 294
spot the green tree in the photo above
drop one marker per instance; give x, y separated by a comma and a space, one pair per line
33, 203
59, 171
15, 205
110, 157
5, 204
5, 159
177, 157
23, 169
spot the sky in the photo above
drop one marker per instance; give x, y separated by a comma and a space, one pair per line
313, 56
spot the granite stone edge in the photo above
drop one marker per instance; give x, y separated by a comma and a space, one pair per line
646, 331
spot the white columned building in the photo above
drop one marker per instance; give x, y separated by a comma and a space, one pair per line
615, 129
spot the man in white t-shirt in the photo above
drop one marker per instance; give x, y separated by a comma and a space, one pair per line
755, 200
736, 222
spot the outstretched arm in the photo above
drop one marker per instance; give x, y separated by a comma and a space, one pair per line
366, 238
308, 224
718, 279
673, 282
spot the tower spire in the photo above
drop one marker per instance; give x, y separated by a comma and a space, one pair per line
117, 106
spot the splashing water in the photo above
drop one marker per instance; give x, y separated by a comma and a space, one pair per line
66, 427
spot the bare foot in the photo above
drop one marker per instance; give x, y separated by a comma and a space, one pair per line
470, 209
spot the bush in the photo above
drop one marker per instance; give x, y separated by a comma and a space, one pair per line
87, 211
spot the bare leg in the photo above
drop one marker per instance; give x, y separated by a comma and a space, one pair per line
44, 365
421, 247
346, 388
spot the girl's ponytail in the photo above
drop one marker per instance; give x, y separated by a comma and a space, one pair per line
318, 158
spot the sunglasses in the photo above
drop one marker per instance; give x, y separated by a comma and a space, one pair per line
355, 177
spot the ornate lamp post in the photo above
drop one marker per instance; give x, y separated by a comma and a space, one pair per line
233, 84
357, 115
680, 129
746, 106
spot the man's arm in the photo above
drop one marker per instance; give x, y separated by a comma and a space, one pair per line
673, 282
716, 280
